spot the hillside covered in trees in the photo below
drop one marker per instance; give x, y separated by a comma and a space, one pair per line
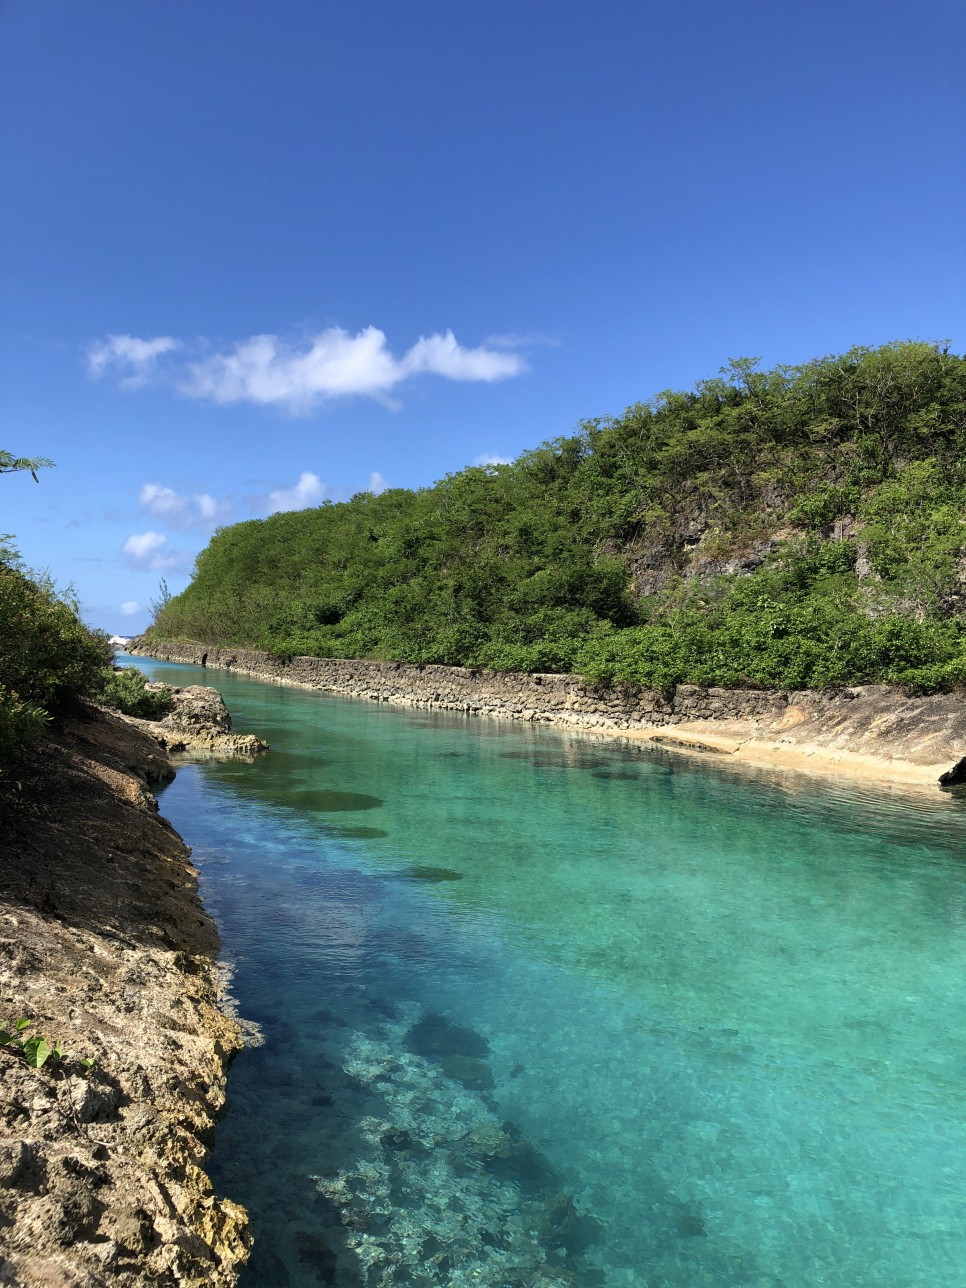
800, 527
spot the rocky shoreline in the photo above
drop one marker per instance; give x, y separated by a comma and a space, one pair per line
870, 732
106, 948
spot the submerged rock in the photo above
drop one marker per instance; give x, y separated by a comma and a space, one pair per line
421, 1199
331, 802
472, 1073
435, 1037
430, 875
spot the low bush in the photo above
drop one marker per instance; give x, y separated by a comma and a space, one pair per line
126, 691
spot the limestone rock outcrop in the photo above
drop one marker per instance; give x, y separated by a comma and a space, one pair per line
106, 948
197, 726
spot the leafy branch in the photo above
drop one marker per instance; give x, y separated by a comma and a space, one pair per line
10, 464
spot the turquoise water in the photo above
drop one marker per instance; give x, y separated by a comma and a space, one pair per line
542, 1010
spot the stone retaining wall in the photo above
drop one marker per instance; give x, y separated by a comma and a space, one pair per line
539, 698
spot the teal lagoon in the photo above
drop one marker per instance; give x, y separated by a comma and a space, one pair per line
543, 1009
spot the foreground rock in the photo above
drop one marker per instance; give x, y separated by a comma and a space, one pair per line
105, 946
198, 727
870, 732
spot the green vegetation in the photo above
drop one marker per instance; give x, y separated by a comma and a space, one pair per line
804, 526
36, 1051
125, 691
10, 464
49, 660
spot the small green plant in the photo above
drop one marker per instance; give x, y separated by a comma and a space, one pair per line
36, 1051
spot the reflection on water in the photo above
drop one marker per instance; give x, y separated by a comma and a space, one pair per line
578, 1013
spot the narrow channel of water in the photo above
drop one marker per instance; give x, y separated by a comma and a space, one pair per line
541, 1010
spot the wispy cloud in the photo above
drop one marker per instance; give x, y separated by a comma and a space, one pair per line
309, 490
487, 458
179, 510
270, 371
132, 359
521, 340
149, 551
130, 607
377, 484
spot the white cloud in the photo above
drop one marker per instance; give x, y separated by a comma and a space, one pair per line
521, 340
180, 511
377, 484
271, 371
130, 607
150, 551
309, 490
134, 360
441, 355
334, 364
487, 458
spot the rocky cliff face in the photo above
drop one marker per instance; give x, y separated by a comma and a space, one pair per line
106, 948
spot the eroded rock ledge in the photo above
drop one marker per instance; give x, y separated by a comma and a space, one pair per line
105, 945
871, 732
198, 727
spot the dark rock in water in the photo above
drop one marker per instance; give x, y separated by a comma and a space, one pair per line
316, 1255
324, 1016
358, 833
955, 776
689, 1223
329, 802
434, 1037
267, 1267
429, 874
521, 1164
395, 1138
617, 775
474, 1074
565, 1227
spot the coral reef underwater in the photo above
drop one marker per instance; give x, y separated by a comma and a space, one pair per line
441, 1190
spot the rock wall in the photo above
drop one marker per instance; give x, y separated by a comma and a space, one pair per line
895, 735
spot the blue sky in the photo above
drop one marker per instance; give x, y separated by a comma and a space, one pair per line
257, 254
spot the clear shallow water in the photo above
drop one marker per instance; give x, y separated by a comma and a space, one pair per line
542, 1010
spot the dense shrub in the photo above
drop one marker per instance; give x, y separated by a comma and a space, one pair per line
48, 657
126, 691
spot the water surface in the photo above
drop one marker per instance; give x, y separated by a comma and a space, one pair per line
544, 1010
